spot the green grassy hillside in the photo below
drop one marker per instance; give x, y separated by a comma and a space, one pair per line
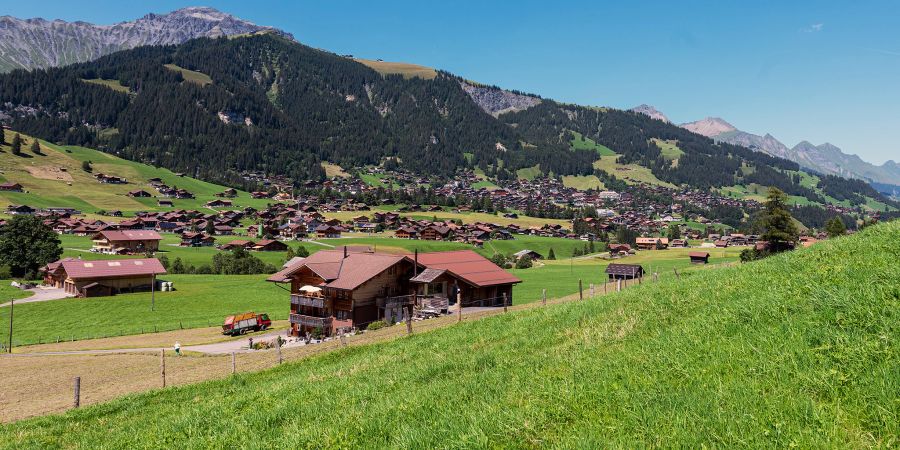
56, 178
796, 350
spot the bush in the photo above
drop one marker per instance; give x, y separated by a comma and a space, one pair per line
377, 325
524, 262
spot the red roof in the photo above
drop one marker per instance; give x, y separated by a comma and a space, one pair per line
470, 266
131, 235
340, 272
78, 269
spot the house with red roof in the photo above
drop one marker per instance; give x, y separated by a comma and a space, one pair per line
126, 241
343, 289
82, 278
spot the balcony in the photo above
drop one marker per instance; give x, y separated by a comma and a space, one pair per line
311, 321
302, 300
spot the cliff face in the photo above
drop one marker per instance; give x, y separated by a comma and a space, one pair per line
497, 101
40, 43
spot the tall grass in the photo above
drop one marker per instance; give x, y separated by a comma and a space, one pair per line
797, 350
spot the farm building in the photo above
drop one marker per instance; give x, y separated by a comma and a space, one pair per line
343, 289
624, 271
238, 243
12, 187
530, 253
83, 278
139, 193
269, 245
699, 257
19, 209
328, 231
125, 242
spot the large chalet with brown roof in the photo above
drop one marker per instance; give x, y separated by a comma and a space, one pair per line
335, 290
126, 241
82, 278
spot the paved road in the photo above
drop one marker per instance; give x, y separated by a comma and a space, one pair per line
236, 345
42, 295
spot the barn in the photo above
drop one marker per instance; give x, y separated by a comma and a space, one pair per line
99, 278
624, 271
699, 257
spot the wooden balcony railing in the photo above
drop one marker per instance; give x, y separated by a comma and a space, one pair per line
311, 321
302, 300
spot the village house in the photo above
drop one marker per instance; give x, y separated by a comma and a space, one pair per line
342, 289
652, 243
328, 231
19, 209
126, 242
11, 187
139, 193
82, 278
269, 245
194, 239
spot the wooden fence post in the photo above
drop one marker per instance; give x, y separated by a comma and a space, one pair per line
233, 364
619, 285
504, 301
278, 348
162, 366
676, 273
409, 314
592, 291
343, 339
544, 296
459, 305
580, 290
77, 402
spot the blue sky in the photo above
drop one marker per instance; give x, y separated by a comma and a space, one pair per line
817, 70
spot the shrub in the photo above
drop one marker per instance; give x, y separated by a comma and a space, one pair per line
524, 262
377, 325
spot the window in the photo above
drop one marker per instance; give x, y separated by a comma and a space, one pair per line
340, 314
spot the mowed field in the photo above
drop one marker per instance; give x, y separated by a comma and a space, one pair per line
397, 68
56, 179
798, 350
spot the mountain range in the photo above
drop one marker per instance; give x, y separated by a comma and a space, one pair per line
825, 158
215, 108
39, 43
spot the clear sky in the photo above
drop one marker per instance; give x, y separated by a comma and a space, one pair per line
821, 71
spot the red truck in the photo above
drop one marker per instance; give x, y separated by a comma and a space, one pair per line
242, 323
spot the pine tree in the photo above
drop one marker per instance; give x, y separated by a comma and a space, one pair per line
35, 147
17, 145
550, 255
835, 227
780, 229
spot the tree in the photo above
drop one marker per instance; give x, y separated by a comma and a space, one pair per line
17, 145
550, 255
302, 251
674, 232
835, 227
780, 230
2, 137
86, 166
289, 254
26, 244
177, 266
524, 262
35, 147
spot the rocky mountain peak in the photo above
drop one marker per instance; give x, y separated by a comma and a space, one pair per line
39, 43
709, 127
650, 111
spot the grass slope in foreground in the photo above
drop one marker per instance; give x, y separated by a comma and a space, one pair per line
799, 349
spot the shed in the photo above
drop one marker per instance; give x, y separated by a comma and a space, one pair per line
624, 271
699, 257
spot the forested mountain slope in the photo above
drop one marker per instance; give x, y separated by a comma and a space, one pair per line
215, 107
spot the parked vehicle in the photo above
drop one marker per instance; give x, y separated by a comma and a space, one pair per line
241, 323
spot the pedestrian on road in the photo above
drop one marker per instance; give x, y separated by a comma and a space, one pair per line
178, 348
251, 344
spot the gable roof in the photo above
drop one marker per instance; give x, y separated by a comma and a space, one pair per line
624, 269
470, 266
340, 272
78, 269
131, 235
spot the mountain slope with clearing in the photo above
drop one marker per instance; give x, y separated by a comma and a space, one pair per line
799, 349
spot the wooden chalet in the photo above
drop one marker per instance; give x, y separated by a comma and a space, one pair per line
11, 187
269, 245
126, 242
341, 289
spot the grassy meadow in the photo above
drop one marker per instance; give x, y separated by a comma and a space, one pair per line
198, 301
798, 350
